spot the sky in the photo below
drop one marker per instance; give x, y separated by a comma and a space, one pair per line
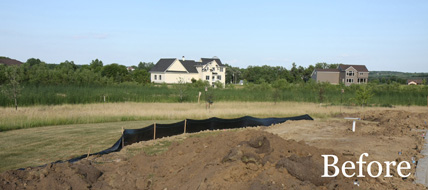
383, 35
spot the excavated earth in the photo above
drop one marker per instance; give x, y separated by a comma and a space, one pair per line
284, 156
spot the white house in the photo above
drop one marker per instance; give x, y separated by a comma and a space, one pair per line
173, 70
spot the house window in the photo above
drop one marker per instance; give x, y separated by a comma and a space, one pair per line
156, 77
219, 77
361, 73
361, 80
207, 77
221, 69
160, 77
350, 73
213, 68
213, 78
350, 80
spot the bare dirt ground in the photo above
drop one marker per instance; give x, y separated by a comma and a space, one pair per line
284, 156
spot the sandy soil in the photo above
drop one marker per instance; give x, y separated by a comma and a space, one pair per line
284, 156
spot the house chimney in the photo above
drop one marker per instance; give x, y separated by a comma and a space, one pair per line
184, 59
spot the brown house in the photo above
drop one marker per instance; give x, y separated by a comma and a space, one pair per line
326, 75
346, 74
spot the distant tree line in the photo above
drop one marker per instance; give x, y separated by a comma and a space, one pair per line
270, 74
36, 72
390, 77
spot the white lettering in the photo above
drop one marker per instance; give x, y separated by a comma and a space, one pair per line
344, 168
388, 172
399, 168
326, 165
360, 165
369, 169
349, 165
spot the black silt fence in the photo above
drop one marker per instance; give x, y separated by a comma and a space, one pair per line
131, 136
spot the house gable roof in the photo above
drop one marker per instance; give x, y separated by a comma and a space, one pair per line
207, 60
190, 65
176, 66
8, 61
359, 68
162, 65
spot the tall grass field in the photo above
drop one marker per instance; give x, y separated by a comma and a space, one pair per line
56, 95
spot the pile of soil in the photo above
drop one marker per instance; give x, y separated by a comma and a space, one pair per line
257, 158
397, 123
246, 159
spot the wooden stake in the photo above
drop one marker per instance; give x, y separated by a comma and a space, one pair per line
185, 125
123, 138
89, 152
154, 131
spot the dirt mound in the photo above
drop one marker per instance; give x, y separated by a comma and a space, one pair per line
80, 175
245, 159
392, 122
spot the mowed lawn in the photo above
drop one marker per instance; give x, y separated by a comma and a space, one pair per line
41, 145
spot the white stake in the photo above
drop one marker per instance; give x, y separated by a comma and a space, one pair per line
354, 123
353, 126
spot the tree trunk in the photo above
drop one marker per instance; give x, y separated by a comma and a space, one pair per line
16, 104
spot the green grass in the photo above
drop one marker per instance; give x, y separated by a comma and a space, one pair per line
205, 134
38, 146
158, 148
54, 95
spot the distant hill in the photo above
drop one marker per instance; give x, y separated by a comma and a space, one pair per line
9, 61
394, 76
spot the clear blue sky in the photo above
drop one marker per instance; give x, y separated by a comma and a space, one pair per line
383, 35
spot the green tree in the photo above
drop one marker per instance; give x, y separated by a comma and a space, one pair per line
363, 95
33, 61
67, 65
96, 65
39, 74
141, 76
218, 84
278, 86
200, 83
181, 88
12, 88
145, 66
307, 73
117, 72
321, 92
3, 78
325, 65
233, 74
